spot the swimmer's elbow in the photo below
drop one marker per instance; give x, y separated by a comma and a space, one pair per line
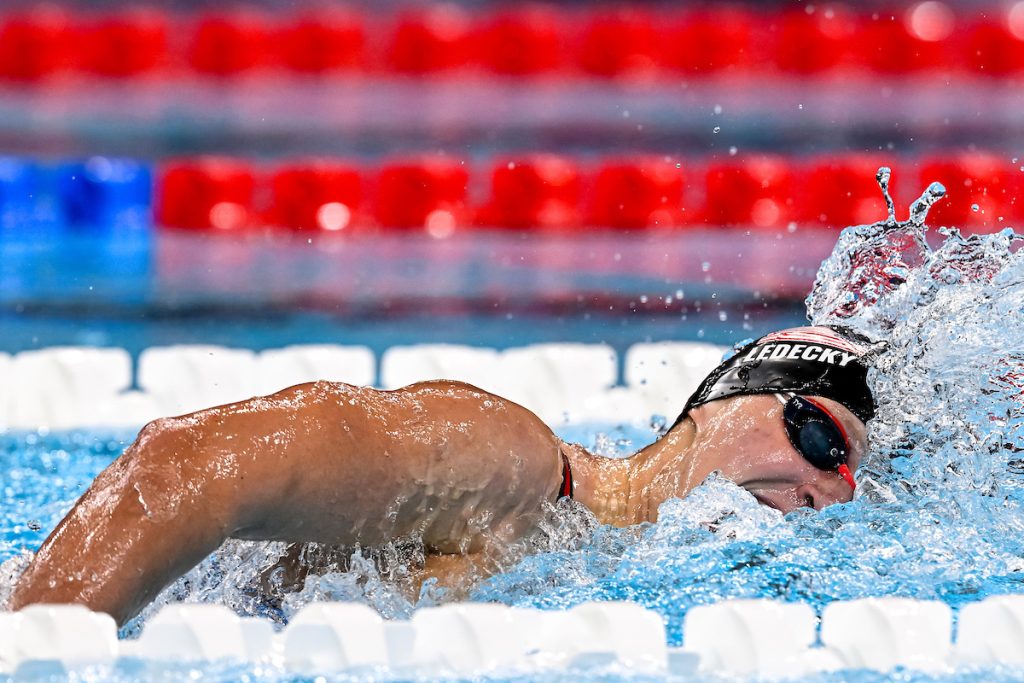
170, 444
155, 431
175, 468
166, 434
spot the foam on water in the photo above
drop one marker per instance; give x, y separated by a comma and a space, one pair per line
939, 512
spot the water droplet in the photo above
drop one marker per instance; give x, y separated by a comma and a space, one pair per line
791, 227
643, 298
883, 176
919, 209
705, 266
799, 106
659, 423
723, 316
718, 109
716, 129
732, 151
975, 208
679, 165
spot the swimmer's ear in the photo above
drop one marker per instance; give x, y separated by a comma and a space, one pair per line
703, 415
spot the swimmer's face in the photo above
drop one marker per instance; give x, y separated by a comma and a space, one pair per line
745, 438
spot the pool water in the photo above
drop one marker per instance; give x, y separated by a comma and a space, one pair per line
939, 512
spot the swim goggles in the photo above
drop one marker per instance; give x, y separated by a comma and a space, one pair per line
816, 434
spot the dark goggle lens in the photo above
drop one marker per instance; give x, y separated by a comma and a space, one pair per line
815, 434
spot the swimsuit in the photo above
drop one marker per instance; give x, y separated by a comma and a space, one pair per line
565, 490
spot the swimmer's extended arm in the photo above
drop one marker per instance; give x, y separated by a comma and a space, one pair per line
320, 462
146, 519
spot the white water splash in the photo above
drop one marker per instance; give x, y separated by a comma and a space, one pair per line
950, 383
247, 576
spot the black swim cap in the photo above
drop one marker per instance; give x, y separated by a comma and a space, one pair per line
810, 361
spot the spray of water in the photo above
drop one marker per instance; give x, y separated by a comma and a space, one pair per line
949, 383
883, 176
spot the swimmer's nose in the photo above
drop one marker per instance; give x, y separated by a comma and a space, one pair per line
817, 496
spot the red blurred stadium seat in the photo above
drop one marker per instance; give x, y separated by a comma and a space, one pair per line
525, 41
994, 45
619, 42
815, 42
991, 182
429, 39
757, 191
125, 44
316, 195
324, 40
539, 191
638, 193
206, 193
842, 191
907, 40
427, 192
34, 44
710, 40
229, 43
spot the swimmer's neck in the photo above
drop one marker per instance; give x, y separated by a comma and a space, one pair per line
624, 491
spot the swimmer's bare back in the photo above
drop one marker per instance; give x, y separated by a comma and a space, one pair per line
323, 462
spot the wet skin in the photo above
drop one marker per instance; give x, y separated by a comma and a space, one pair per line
343, 465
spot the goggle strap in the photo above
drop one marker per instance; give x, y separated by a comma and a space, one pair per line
847, 476
838, 423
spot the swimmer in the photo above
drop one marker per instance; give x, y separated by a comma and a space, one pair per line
330, 463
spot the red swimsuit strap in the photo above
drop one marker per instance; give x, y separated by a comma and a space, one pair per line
565, 490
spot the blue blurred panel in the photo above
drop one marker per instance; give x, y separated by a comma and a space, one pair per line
27, 209
105, 195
